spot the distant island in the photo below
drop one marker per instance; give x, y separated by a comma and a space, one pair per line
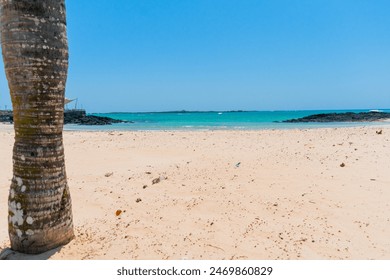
196, 112
342, 117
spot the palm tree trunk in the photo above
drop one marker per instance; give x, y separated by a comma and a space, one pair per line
35, 54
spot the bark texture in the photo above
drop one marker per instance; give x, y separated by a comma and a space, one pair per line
35, 54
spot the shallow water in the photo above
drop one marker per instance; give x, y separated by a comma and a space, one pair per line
216, 120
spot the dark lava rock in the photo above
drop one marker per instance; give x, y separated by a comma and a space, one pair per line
80, 117
6, 117
343, 117
71, 117
90, 120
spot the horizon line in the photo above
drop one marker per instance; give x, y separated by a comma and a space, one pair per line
233, 111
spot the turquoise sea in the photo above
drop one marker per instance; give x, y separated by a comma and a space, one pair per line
182, 120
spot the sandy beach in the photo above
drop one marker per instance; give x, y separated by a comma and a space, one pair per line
267, 194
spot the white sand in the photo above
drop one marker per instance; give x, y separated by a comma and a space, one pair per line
288, 199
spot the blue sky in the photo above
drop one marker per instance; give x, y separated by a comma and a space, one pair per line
159, 55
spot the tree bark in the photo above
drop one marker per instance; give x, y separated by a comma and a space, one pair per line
35, 53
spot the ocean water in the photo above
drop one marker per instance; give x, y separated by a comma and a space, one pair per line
231, 120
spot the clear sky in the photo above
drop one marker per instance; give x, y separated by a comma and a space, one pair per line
159, 55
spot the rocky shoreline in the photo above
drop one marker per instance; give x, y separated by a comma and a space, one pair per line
6, 117
79, 117
92, 120
71, 117
343, 117
83, 119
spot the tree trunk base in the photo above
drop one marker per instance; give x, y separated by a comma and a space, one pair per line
42, 242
